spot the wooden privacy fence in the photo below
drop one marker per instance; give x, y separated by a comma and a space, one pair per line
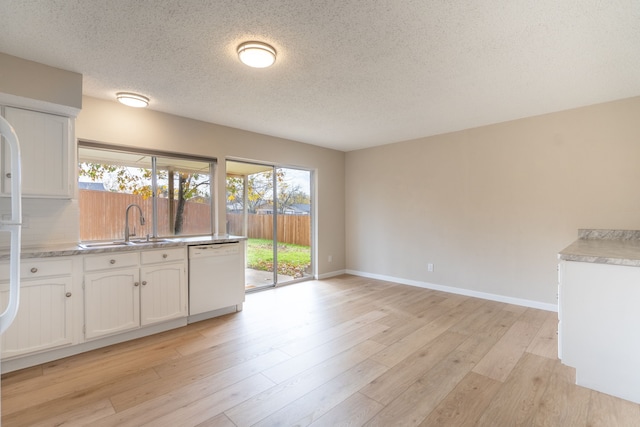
295, 229
103, 218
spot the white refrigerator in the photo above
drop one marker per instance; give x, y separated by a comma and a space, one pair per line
13, 226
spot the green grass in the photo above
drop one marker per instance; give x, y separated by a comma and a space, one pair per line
292, 259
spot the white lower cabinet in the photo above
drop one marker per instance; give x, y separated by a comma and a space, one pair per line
44, 319
111, 301
599, 324
163, 293
134, 289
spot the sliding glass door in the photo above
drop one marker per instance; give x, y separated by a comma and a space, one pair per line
271, 206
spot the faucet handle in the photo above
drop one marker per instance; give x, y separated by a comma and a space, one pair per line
134, 231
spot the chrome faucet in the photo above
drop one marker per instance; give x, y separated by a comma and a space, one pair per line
126, 222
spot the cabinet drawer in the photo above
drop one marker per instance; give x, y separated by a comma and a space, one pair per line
33, 269
112, 260
163, 255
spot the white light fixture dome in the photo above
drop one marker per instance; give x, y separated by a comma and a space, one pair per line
256, 54
132, 99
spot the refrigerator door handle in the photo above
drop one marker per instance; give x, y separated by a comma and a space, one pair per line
13, 225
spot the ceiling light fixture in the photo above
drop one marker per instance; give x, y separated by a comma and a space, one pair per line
256, 54
132, 99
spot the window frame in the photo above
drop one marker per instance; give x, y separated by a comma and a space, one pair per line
154, 155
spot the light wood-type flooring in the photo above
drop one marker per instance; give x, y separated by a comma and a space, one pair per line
344, 351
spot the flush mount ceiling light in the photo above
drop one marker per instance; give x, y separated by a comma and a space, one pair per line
132, 99
256, 54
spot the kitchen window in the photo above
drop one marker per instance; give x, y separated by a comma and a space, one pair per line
173, 191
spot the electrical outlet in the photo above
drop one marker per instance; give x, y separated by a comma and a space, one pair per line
430, 267
330, 258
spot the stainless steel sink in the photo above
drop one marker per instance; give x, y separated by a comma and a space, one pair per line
102, 244
147, 242
120, 243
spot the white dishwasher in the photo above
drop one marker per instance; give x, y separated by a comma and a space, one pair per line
216, 277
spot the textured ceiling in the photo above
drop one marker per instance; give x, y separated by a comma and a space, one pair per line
349, 74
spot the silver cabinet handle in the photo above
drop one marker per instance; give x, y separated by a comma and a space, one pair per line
8, 175
68, 294
113, 261
136, 284
164, 255
34, 270
144, 282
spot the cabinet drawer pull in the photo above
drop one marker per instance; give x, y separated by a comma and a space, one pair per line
68, 294
144, 282
34, 270
136, 284
113, 261
164, 255
8, 175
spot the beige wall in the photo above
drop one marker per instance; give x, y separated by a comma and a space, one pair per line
47, 85
490, 207
110, 122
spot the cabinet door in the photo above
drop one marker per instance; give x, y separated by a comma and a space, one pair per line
44, 318
44, 146
112, 302
163, 293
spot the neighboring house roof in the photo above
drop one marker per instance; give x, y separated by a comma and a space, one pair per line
97, 186
301, 208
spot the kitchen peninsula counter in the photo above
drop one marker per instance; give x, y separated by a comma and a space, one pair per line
615, 247
598, 315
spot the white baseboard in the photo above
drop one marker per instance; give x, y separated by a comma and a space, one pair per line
459, 291
331, 274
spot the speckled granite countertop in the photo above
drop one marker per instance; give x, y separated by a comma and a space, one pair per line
78, 249
618, 247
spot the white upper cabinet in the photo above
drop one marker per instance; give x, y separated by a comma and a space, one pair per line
46, 145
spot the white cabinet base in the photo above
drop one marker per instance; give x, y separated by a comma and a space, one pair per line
600, 326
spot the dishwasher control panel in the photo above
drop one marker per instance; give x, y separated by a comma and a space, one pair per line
219, 249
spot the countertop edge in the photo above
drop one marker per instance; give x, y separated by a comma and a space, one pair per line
62, 250
601, 246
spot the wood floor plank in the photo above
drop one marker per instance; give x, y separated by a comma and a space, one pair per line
518, 400
353, 411
203, 409
319, 401
82, 416
563, 403
119, 353
55, 406
310, 342
297, 364
220, 375
606, 411
466, 402
218, 421
545, 342
475, 321
67, 380
504, 356
402, 375
412, 406
195, 403
280, 395
491, 331
399, 350
399, 327
18, 377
